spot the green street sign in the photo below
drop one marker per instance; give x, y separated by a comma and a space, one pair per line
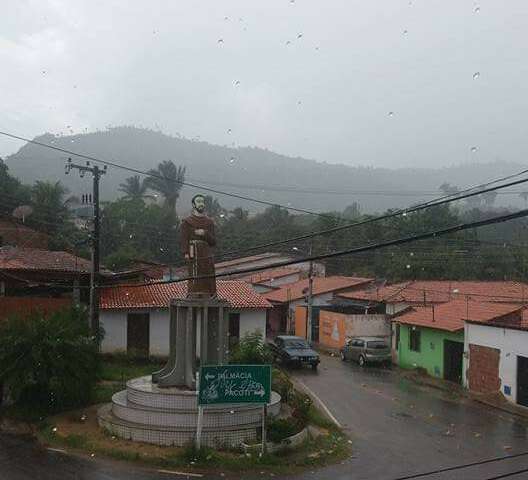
234, 384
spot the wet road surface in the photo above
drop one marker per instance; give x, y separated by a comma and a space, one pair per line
397, 429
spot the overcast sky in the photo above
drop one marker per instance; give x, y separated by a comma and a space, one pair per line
372, 82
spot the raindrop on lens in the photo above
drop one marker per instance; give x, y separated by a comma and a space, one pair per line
405, 32
391, 114
408, 266
476, 75
474, 149
231, 160
229, 130
299, 35
476, 9
220, 40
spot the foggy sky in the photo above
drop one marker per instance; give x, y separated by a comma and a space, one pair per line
84, 65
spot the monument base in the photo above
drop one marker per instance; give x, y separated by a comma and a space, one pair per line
144, 412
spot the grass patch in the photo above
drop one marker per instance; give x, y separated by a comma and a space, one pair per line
103, 392
120, 368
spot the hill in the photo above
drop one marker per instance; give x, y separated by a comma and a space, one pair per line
249, 171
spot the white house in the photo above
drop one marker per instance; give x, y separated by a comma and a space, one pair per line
136, 318
497, 359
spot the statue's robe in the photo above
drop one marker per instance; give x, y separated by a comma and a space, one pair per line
200, 251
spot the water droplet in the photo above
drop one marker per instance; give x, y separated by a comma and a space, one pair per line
288, 42
476, 9
405, 32
476, 75
474, 149
299, 35
231, 160
317, 48
92, 455
412, 254
43, 72
220, 40
299, 102
54, 429
391, 114
72, 140
237, 83
407, 266
229, 130
404, 214
226, 18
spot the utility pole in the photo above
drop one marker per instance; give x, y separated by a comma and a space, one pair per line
94, 274
310, 297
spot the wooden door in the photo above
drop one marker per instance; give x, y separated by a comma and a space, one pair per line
138, 334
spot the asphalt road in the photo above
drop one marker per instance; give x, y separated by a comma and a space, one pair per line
397, 429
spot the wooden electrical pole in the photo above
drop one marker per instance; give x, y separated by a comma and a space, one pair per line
94, 274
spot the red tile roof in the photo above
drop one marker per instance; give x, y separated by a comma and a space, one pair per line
450, 316
238, 294
439, 291
14, 258
297, 290
271, 274
23, 306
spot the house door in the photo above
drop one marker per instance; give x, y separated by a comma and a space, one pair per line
453, 354
234, 329
522, 381
138, 334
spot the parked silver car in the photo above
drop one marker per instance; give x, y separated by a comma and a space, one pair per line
367, 350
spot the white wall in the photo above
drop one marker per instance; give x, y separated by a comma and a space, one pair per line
376, 325
251, 320
511, 343
115, 324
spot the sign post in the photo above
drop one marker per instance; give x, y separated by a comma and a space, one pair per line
231, 384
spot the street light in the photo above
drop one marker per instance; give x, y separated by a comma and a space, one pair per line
310, 295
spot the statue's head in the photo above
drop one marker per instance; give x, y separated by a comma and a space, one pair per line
198, 203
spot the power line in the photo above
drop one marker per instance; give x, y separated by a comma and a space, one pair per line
356, 250
467, 465
150, 174
441, 201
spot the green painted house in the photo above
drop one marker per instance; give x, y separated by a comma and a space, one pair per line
432, 338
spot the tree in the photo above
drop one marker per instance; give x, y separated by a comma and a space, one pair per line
448, 189
134, 188
49, 363
12, 192
167, 180
213, 208
50, 212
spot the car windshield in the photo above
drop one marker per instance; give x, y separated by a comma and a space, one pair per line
378, 344
296, 343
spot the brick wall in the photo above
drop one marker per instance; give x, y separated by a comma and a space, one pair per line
483, 374
23, 306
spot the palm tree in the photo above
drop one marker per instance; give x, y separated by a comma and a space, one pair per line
134, 188
168, 180
49, 204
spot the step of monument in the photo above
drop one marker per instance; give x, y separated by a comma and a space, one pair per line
215, 437
226, 416
143, 393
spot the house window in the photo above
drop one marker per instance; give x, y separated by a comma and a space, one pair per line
414, 340
234, 328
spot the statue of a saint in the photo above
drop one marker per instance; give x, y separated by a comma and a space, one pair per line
197, 242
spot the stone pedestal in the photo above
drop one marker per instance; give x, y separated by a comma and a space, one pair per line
212, 316
145, 412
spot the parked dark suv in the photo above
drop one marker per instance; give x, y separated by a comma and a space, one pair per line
367, 350
294, 351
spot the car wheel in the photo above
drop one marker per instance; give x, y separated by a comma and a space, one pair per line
314, 367
361, 361
343, 356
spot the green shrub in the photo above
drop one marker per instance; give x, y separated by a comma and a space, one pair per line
251, 350
281, 384
49, 363
281, 428
301, 405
